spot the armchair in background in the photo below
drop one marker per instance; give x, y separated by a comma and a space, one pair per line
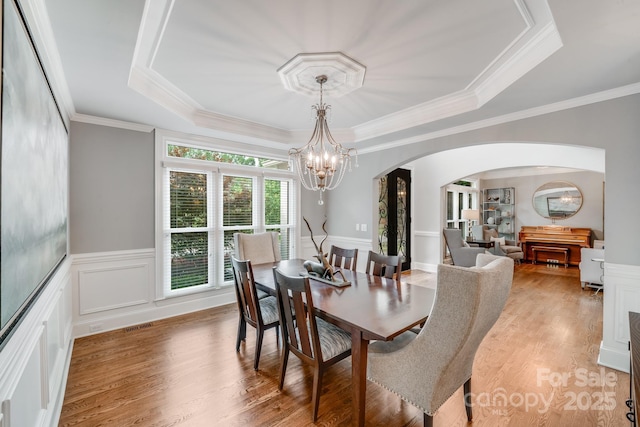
591, 267
508, 248
461, 254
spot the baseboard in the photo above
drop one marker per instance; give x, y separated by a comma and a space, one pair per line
430, 268
613, 358
160, 310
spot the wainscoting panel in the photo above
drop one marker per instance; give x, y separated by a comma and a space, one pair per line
621, 295
113, 290
426, 246
108, 281
117, 286
35, 360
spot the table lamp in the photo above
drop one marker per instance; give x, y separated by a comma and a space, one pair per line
471, 215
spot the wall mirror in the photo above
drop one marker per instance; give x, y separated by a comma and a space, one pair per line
557, 200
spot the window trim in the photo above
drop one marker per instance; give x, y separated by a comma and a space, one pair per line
215, 228
468, 192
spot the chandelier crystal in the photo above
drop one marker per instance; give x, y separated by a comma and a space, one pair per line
322, 162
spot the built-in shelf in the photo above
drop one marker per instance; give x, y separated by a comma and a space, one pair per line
499, 210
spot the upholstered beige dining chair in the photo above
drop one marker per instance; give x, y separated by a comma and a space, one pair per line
259, 248
425, 369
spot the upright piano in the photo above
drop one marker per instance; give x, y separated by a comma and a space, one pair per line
553, 243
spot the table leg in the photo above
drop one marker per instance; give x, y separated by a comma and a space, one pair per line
359, 349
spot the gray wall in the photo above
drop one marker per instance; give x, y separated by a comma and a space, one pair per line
112, 187
111, 190
612, 125
312, 211
590, 215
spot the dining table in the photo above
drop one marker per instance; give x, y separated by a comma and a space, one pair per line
369, 307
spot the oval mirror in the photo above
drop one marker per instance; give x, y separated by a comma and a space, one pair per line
557, 200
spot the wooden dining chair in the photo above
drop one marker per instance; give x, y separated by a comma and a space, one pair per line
346, 259
384, 265
261, 313
315, 341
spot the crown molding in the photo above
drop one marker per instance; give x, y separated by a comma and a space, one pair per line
101, 121
512, 67
536, 42
39, 24
532, 46
593, 98
346, 134
268, 134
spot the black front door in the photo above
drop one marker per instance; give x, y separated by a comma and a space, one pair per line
394, 224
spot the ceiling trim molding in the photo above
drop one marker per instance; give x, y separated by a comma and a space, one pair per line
222, 144
35, 12
512, 67
538, 40
593, 98
121, 124
209, 119
532, 46
606, 95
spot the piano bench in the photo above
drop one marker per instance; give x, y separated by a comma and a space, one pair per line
563, 251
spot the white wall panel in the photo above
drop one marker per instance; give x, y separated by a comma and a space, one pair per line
115, 286
34, 361
112, 290
621, 295
26, 404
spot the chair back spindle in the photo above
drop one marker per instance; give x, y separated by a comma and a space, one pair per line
389, 266
346, 259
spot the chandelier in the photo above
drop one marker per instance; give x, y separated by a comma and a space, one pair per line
322, 162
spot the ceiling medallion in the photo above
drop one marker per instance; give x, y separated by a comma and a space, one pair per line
344, 74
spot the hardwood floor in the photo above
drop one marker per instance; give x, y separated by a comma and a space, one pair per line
185, 371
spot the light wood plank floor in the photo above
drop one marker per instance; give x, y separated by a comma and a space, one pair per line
185, 371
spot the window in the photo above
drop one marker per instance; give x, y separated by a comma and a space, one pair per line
206, 197
188, 245
460, 195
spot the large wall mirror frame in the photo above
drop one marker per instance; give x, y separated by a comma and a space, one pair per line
557, 200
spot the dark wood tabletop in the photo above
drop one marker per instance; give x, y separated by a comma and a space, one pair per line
482, 243
371, 308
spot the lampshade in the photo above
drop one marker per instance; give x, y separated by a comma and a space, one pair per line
471, 214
